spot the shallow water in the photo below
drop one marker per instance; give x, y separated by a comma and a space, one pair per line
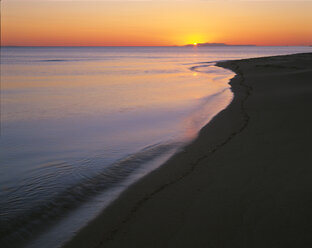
78, 125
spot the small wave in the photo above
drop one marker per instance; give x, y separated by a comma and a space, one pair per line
30, 222
212, 69
194, 68
197, 63
53, 164
54, 60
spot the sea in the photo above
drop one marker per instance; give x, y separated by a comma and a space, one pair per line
79, 125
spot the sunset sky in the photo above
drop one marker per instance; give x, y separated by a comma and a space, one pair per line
155, 22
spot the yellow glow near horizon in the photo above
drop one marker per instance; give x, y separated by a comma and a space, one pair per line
151, 23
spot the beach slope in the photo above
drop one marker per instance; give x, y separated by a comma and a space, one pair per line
246, 181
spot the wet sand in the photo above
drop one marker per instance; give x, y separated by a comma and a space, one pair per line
246, 181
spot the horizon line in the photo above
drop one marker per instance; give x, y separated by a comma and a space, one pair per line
187, 45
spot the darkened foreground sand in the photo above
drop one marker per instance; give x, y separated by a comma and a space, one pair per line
245, 182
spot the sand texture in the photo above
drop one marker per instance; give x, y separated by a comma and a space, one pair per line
246, 181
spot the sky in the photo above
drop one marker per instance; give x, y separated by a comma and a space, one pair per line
155, 22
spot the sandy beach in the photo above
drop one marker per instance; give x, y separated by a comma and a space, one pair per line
244, 182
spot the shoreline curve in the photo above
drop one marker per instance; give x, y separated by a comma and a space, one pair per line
165, 208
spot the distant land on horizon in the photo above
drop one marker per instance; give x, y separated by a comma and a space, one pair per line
188, 45
214, 44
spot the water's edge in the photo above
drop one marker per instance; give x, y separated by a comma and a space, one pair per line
66, 213
70, 242
72, 210
136, 198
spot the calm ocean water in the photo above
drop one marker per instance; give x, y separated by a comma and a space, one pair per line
79, 125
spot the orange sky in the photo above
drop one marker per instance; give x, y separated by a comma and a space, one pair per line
155, 22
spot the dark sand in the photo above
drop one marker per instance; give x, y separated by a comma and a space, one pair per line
245, 182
